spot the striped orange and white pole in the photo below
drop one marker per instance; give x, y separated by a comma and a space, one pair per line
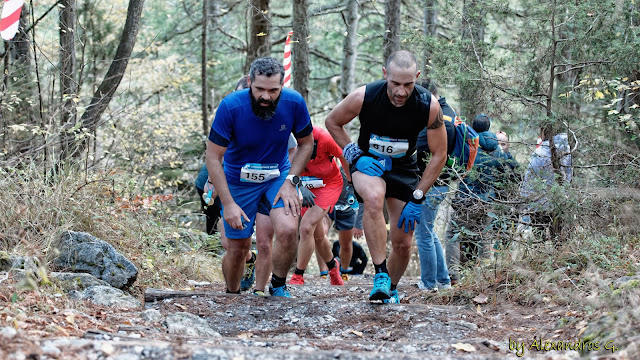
287, 60
10, 18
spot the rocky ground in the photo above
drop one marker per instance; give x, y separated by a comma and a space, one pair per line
321, 322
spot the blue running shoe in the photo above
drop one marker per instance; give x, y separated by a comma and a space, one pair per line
279, 291
381, 287
393, 298
249, 275
323, 274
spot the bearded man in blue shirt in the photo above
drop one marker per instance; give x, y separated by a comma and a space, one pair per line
251, 133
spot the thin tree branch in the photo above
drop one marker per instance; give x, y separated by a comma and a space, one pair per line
324, 57
43, 15
581, 66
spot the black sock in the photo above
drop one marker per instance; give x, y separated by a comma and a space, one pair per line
298, 271
393, 287
382, 268
277, 281
253, 258
233, 292
331, 264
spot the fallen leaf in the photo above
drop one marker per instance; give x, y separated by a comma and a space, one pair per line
581, 331
481, 299
582, 324
356, 332
245, 336
61, 330
464, 347
106, 328
181, 306
70, 318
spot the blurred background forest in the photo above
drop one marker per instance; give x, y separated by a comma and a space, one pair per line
105, 105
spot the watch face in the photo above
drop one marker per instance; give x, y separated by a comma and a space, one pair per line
418, 194
295, 180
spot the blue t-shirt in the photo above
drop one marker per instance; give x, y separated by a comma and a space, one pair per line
250, 139
203, 175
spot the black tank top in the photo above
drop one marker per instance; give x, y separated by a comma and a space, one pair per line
378, 116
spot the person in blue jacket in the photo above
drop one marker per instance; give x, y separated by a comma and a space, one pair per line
475, 192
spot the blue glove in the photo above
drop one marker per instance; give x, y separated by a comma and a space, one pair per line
369, 166
410, 216
307, 197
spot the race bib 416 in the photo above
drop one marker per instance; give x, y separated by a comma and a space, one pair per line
387, 146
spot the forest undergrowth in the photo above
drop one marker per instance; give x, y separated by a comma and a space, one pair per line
585, 271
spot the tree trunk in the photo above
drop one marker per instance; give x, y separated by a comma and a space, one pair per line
68, 83
300, 48
106, 89
430, 31
259, 31
392, 28
471, 89
203, 64
350, 48
22, 40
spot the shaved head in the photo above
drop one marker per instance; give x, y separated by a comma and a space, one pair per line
401, 74
402, 59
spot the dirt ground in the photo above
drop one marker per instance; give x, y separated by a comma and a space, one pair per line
321, 320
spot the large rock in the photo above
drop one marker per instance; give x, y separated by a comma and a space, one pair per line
28, 263
75, 281
5, 261
107, 296
81, 252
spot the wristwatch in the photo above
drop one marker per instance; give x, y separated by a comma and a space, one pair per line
418, 195
295, 180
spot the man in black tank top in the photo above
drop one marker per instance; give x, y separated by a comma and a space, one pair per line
383, 162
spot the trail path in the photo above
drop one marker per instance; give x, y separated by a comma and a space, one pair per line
320, 322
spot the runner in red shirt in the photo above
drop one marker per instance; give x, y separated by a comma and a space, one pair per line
321, 188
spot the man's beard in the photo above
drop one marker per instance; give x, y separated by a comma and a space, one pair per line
263, 112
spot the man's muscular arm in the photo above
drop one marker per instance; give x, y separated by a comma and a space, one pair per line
438, 122
437, 140
342, 114
232, 213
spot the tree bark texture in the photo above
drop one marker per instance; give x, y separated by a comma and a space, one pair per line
68, 83
203, 64
352, 17
430, 31
300, 48
259, 31
392, 28
471, 87
22, 40
109, 85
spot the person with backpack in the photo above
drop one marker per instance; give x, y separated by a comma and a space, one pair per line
462, 144
468, 233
